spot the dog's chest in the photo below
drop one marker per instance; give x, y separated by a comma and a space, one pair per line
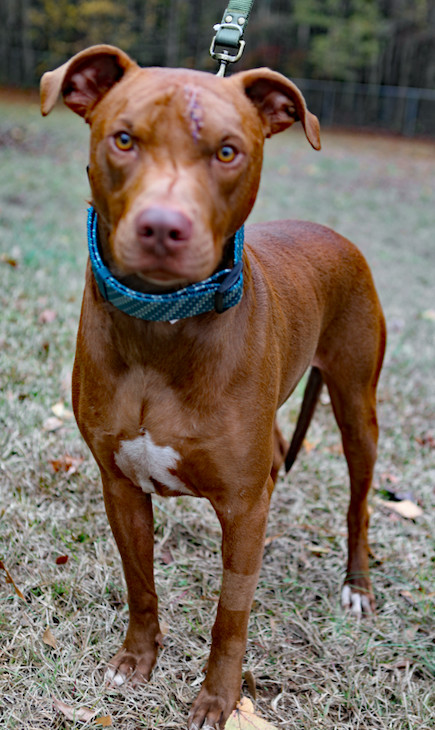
149, 466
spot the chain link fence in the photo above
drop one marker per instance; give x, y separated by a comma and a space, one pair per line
397, 109
402, 110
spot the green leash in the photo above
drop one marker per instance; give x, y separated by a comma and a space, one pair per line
228, 45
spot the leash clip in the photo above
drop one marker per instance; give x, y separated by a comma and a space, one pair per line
224, 56
227, 46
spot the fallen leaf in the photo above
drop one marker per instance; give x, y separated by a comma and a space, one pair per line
427, 440
68, 464
84, 714
308, 445
49, 639
405, 508
105, 721
52, 424
60, 411
61, 559
164, 627
47, 316
10, 580
244, 718
10, 260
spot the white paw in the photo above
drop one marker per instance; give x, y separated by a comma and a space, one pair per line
356, 603
114, 678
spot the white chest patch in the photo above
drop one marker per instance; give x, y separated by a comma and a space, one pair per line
141, 460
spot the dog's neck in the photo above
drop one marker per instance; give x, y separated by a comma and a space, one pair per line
221, 291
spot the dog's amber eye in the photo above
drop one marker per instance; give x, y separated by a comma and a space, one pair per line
226, 153
123, 141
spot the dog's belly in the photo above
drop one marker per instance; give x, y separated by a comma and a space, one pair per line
150, 467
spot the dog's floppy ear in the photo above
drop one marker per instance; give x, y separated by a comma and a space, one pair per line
279, 102
84, 79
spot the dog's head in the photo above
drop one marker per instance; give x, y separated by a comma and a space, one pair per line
175, 157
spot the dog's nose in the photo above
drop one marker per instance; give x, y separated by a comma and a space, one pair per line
162, 230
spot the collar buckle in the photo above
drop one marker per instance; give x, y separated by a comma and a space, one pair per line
228, 282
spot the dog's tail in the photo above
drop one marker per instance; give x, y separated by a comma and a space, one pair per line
311, 396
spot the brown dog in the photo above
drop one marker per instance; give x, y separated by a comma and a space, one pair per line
188, 407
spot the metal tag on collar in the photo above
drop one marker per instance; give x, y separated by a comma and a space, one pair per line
227, 283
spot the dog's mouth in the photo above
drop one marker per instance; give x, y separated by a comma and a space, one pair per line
163, 280
153, 282
154, 275
150, 271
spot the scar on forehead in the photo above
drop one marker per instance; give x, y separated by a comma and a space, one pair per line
195, 116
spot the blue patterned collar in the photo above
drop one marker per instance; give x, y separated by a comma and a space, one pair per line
217, 293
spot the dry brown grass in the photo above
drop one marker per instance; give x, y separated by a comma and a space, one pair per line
313, 666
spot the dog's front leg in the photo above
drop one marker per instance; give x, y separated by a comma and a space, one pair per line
130, 515
243, 520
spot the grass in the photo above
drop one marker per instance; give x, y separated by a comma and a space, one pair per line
312, 665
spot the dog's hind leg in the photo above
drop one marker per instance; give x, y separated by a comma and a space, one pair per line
351, 376
356, 416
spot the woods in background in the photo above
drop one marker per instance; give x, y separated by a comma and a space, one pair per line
370, 41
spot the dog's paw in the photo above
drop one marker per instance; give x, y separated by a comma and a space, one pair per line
210, 711
128, 667
358, 603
